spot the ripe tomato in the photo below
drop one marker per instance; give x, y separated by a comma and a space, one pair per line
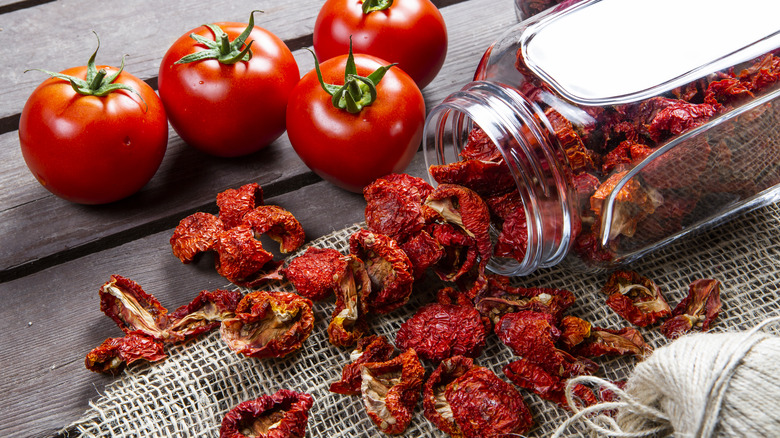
222, 108
411, 33
93, 149
352, 149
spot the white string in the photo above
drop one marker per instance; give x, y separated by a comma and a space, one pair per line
708, 361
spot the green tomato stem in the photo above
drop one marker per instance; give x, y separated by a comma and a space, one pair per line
97, 81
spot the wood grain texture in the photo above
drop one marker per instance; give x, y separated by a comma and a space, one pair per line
50, 316
187, 179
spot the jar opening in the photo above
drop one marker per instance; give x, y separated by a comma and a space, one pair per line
520, 178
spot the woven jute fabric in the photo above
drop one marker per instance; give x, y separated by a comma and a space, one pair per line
187, 394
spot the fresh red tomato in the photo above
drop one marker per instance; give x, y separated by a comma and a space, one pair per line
351, 149
234, 105
93, 149
411, 33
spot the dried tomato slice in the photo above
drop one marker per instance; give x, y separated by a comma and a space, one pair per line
584, 340
278, 224
315, 273
436, 407
532, 336
464, 208
438, 331
459, 251
124, 301
195, 234
269, 324
390, 391
698, 309
369, 349
547, 384
423, 251
484, 406
633, 203
388, 267
349, 319
393, 205
636, 298
114, 354
240, 255
501, 298
234, 203
484, 177
283, 414
204, 313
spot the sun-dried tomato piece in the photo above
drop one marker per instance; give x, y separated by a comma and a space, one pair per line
464, 208
283, 414
580, 158
480, 147
727, 91
268, 324
763, 74
349, 321
532, 336
632, 203
501, 298
459, 251
627, 154
484, 177
438, 331
369, 349
423, 251
388, 267
114, 354
124, 301
584, 340
391, 389
698, 309
547, 384
204, 313
573, 331
436, 407
315, 273
484, 406
240, 255
636, 298
508, 213
234, 203
195, 234
679, 117
278, 224
393, 205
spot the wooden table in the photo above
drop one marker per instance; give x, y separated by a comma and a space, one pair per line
54, 255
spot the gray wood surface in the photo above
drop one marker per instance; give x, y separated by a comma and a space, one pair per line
54, 255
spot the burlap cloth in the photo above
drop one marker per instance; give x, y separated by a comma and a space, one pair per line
188, 394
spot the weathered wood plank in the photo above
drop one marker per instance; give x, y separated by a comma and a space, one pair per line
58, 35
35, 225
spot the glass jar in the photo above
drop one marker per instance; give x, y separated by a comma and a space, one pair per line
615, 146
528, 8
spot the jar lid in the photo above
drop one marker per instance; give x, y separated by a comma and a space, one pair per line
618, 51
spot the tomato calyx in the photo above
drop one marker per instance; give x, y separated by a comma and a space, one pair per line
376, 5
97, 82
221, 48
357, 91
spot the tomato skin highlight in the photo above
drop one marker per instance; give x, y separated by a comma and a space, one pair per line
90, 149
228, 110
352, 150
410, 32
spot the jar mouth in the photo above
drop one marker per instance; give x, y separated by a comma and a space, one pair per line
527, 148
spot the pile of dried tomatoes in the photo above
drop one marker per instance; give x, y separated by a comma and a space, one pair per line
414, 233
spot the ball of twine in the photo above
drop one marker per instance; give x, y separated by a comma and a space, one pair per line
701, 385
